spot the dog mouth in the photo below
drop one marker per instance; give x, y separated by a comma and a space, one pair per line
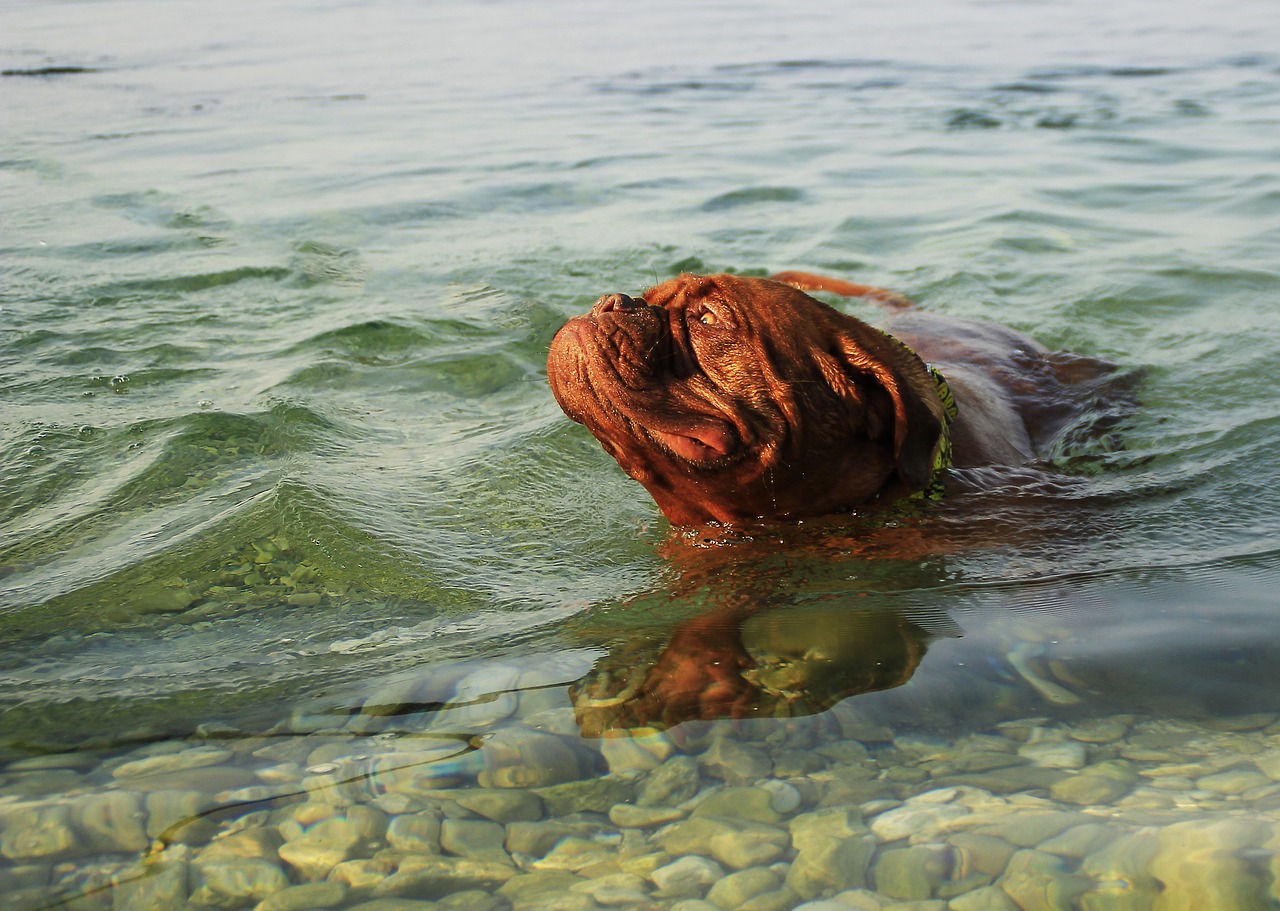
703, 442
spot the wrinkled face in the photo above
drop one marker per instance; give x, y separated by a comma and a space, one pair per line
734, 399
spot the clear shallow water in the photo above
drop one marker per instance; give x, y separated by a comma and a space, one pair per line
277, 288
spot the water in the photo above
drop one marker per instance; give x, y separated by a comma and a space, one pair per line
281, 471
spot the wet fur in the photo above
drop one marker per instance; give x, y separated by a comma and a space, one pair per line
737, 399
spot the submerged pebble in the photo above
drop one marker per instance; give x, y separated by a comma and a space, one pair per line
172, 763
918, 818
38, 832
689, 876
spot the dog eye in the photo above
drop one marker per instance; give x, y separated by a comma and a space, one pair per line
709, 317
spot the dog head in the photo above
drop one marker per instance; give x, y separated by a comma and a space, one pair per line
737, 399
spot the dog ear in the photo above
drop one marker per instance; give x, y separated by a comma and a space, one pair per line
919, 416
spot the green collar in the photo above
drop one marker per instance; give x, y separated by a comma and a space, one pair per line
942, 454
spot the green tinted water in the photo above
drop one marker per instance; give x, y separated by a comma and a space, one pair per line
281, 473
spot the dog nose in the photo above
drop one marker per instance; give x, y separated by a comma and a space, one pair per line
611, 302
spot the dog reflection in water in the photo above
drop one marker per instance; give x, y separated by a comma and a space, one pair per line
774, 664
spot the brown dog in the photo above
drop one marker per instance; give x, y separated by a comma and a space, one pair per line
738, 399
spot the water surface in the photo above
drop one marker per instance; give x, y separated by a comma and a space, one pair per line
281, 472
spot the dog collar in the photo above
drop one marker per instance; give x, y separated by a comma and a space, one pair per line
936, 487
942, 455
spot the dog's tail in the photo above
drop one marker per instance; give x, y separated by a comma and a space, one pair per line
807, 281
